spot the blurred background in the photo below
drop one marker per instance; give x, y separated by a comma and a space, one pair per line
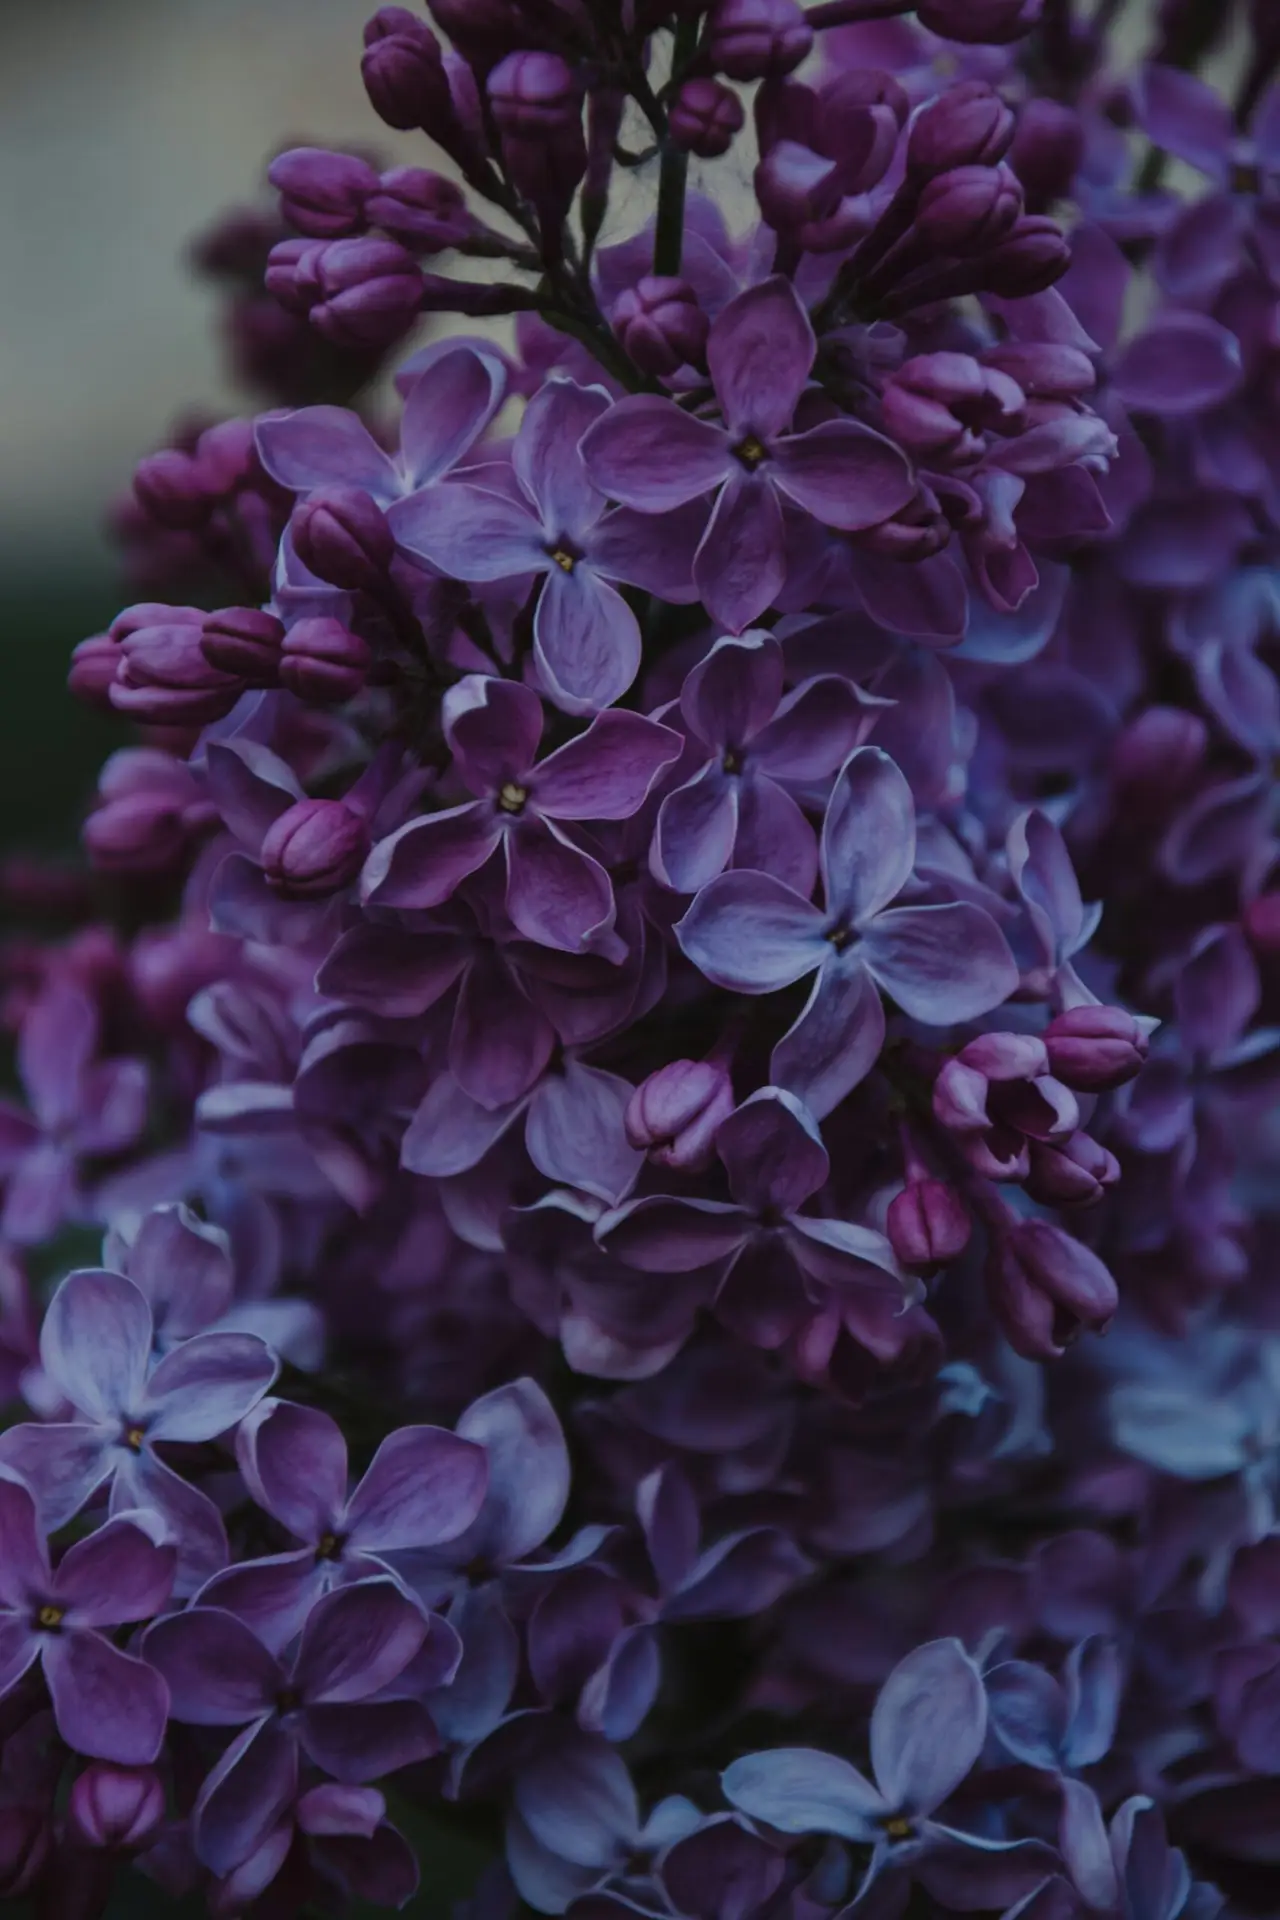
125, 125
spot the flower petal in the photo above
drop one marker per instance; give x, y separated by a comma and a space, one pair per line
800, 1790
575, 1133
772, 1152
356, 1641
696, 829
649, 453
470, 533
740, 567
941, 964
528, 1472
96, 1342
661, 1235
363, 1742
424, 1485
606, 772
759, 352
448, 408
586, 640
450, 1133
650, 550
107, 1704
835, 1042
752, 934
114, 1576
928, 1726
868, 836
63, 1463
422, 863
219, 1674
207, 1385
557, 895
24, 1563
842, 473
734, 690
294, 1462
244, 1796
548, 462
323, 447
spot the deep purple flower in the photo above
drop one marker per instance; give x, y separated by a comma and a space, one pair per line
674, 1115
116, 1807
778, 1263
552, 525
107, 1703
423, 1488
97, 1346
941, 963
651, 455
556, 894
321, 1704
80, 1107
738, 808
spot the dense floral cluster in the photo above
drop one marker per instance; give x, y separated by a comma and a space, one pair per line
705, 916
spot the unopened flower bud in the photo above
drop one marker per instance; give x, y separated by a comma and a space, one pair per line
323, 194
704, 118
288, 276
370, 291
1047, 148
967, 126
245, 641
343, 537
795, 186
403, 71
92, 670
944, 403
421, 209
673, 1115
757, 39
164, 678
1260, 920
171, 488
537, 103
1070, 1173
314, 847
1078, 1287
1044, 370
968, 210
116, 1807
1156, 756
323, 662
1033, 256
227, 457
1095, 1048
660, 324
979, 22
169, 965
927, 1225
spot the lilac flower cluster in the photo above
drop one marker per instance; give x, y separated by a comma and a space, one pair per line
684, 922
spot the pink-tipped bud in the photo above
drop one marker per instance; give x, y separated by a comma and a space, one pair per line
928, 1225
244, 641
314, 847
660, 324
323, 662
1095, 1048
343, 537
674, 1114
121, 1808
704, 118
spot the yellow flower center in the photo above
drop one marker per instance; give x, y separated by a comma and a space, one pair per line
49, 1618
751, 452
898, 1828
565, 561
511, 798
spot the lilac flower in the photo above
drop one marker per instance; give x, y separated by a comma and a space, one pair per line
927, 1732
424, 1487
107, 1703
1058, 1725
1203, 244
321, 1705
97, 1347
778, 1264
448, 407
652, 455
1128, 1868
556, 894
551, 524
80, 1107
339, 1833
941, 963
737, 808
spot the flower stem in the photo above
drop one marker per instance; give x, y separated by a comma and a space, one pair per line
668, 237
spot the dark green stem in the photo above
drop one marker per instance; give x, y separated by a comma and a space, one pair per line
668, 238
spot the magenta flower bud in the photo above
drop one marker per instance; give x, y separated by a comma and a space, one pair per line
370, 291
660, 324
796, 186
314, 847
757, 39
1006, 1056
967, 126
1260, 920
323, 662
164, 678
928, 1225
169, 965
704, 118
1156, 756
152, 613
290, 275
537, 104
93, 668
1070, 1173
227, 457
117, 1807
674, 1114
421, 209
403, 72
968, 210
148, 807
323, 194
943, 404
1047, 148
1073, 1278
1095, 1048
171, 488
343, 537
1033, 256
244, 641
979, 22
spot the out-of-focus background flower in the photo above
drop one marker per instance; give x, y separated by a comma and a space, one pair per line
124, 126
